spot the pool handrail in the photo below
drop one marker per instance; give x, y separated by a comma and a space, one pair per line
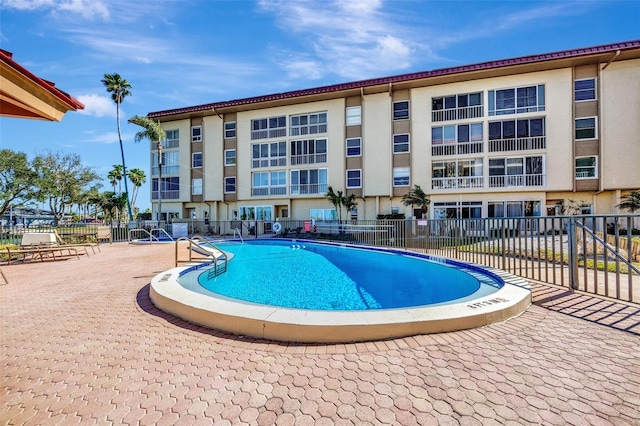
237, 230
219, 263
152, 237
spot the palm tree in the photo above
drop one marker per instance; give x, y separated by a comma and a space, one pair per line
630, 201
119, 89
137, 178
153, 132
115, 177
335, 198
417, 197
349, 203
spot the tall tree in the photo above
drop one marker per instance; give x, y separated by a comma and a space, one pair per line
60, 181
115, 177
152, 132
335, 198
16, 178
137, 178
119, 89
630, 201
417, 197
349, 203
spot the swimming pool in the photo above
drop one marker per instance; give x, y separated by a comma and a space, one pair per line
356, 308
336, 277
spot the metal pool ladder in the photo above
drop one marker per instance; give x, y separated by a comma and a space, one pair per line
219, 262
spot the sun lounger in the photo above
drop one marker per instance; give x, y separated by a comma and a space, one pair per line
41, 253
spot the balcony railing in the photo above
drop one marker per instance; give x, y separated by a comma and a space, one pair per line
516, 180
311, 188
518, 144
166, 195
458, 113
269, 190
457, 182
269, 162
268, 133
166, 170
308, 159
457, 148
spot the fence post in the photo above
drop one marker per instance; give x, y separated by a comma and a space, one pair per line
573, 253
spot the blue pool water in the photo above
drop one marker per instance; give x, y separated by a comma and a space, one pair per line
306, 275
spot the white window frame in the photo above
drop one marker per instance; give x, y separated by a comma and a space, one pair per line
308, 124
226, 158
402, 143
230, 133
196, 186
235, 183
359, 147
193, 160
353, 116
359, 177
272, 128
196, 138
595, 128
396, 118
594, 167
397, 175
576, 90
172, 139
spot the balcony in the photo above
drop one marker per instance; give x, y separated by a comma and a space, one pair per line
457, 148
311, 188
458, 113
308, 159
507, 181
518, 144
166, 195
268, 162
269, 190
463, 182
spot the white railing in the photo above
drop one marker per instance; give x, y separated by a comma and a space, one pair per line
518, 144
457, 182
516, 180
458, 113
308, 159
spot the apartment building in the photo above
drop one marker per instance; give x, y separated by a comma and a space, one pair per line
507, 138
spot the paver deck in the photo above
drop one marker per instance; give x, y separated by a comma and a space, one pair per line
82, 344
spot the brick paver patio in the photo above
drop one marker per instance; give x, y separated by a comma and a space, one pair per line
82, 344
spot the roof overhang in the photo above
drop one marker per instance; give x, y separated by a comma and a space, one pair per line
24, 95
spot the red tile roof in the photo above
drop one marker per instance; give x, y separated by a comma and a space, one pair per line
572, 53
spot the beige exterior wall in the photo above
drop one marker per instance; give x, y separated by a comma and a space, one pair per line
619, 130
617, 146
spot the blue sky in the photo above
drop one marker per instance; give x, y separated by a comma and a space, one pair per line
184, 53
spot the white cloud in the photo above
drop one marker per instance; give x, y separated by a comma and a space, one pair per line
107, 138
354, 39
88, 9
98, 106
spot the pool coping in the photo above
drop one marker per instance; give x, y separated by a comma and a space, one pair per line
313, 326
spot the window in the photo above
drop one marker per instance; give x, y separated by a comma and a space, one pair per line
461, 139
401, 110
172, 139
308, 124
230, 157
196, 160
354, 116
230, 129
458, 210
586, 167
196, 186
269, 154
269, 183
229, 184
513, 209
457, 174
256, 213
170, 163
400, 143
584, 90
517, 100
354, 178
354, 214
323, 215
456, 107
354, 147
401, 176
309, 181
196, 134
309, 151
515, 135
266, 128
170, 188
516, 171
586, 128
